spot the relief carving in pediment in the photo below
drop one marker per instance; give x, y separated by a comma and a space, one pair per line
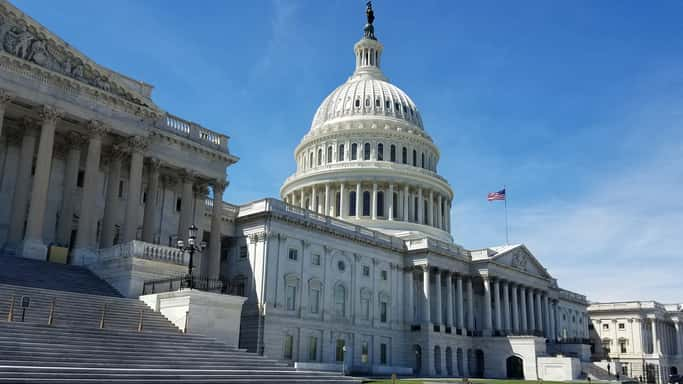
519, 260
25, 42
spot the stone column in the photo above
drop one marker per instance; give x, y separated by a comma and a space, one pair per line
186, 202
470, 305
391, 202
213, 264
359, 199
447, 216
321, 200
523, 310
496, 300
327, 211
406, 208
488, 326
430, 209
373, 202
342, 201
437, 286
679, 341
515, 310
420, 207
149, 223
459, 302
553, 327
5, 98
532, 310
86, 237
137, 145
507, 323
546, 315
449, 300
425, 287
539, 311
33, 241
439, 211
656, 342
111, 208
302, 198
410, 290
22, 187
73, 159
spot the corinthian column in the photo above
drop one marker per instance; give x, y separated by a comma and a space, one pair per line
186, 205
425, 286
149, 228
137, 146
515, 311
390, 199
488, 322
5, 98
213, 266
73, 159
33, 241
111, 208
21, 189
87, 224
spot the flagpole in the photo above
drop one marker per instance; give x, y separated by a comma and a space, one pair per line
507, 230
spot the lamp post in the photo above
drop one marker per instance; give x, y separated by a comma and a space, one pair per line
191, 247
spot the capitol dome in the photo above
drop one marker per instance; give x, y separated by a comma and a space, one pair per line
367, 159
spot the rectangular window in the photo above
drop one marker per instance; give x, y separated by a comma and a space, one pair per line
392, 153
120, 188
364, 352
340, 153
622, 346
385, 275
622, 326
383, 354
380, 152
605, 327
366, 270
383, 312
293, 254
313, 349
291, 297
624, 369
178, 204
79, 179
243, 252
315, 259
288, 347
354, 151
314, 300
352, 203
340, 350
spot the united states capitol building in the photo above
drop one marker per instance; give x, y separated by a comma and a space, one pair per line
355, 265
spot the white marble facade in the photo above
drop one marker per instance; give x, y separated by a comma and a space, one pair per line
357, 254
646, 337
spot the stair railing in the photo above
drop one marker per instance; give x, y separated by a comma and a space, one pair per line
10, 314
140, 323
104, 311
51, 316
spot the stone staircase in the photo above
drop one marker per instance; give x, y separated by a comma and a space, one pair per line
72, 337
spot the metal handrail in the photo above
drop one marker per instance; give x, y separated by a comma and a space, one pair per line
188, 281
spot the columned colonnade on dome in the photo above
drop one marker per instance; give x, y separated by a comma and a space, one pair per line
376, 201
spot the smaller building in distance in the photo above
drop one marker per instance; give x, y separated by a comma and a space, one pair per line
643, 338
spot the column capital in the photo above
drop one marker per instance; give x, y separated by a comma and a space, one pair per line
219, 185
154, 164
97, 129
49, 114
137, 144
30, 126
75, 139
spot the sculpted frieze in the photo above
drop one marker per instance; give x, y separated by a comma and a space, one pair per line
27, 43
519, 260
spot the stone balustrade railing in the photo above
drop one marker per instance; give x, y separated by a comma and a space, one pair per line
571, 296
143, 250
194, 132
356, 164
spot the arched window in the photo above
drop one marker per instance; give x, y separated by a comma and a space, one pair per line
423, 160
414, 158
354, 151
340, 153
340, 300
380, 151
387, 105
320, 156
396, 108
352, 203
380, 204
405, 155
367, 102
366, 151
329, 154
357, 103
377, 103
392, 153
366, 203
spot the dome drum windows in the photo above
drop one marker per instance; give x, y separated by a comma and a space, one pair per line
366, 151
354, 151
340, 153
320, 156
392, 154
329, 154
380, 152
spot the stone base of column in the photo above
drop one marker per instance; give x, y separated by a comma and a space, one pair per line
487, 332
33, 249
83, 256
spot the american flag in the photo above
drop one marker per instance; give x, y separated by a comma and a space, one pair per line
500, 195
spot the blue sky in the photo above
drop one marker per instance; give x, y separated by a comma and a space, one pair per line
575, 106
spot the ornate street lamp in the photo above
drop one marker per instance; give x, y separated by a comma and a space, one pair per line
191, 247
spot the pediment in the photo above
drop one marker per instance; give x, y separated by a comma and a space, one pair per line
23, 38
519, 257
